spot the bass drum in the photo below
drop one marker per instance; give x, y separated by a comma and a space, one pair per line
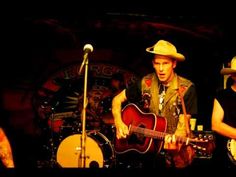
99, 151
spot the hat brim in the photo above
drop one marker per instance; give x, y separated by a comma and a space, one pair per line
176, 56
225, 71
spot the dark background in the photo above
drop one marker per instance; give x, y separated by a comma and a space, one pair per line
38, 44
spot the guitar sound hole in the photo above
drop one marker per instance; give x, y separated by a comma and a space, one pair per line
137, 138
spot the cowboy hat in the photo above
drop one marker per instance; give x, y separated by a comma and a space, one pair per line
165, 48
231, 70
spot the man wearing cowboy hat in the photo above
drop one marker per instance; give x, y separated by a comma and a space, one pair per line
223, 120
160, 93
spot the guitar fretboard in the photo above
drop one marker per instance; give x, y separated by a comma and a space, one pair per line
159, 135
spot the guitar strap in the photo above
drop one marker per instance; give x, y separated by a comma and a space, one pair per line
186, 154
180, 91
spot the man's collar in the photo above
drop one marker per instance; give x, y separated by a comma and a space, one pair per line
173, 83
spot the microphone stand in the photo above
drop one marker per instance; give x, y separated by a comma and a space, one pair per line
83, 149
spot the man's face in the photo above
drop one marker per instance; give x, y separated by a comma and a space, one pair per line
164, 67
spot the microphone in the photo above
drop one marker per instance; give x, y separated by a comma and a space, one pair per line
88, 48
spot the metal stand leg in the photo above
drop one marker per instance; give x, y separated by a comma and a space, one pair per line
53, 162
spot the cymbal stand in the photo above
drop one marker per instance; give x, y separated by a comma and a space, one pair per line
52, 147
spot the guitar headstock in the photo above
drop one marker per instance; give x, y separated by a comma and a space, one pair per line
204, 144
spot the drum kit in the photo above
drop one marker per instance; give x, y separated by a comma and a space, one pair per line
65, 140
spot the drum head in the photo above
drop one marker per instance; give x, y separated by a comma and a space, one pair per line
69, 152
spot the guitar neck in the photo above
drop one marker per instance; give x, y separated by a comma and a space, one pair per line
159, 135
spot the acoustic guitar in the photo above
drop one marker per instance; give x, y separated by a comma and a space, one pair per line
145, 128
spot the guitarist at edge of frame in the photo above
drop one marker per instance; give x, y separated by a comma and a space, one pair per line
223, 120
160, 93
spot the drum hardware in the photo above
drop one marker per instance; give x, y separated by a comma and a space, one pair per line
53, 161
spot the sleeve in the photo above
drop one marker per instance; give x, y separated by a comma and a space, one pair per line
218, 95
133, 92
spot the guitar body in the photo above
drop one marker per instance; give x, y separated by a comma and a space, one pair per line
133, 116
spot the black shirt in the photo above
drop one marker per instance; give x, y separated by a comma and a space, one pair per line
227, 100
